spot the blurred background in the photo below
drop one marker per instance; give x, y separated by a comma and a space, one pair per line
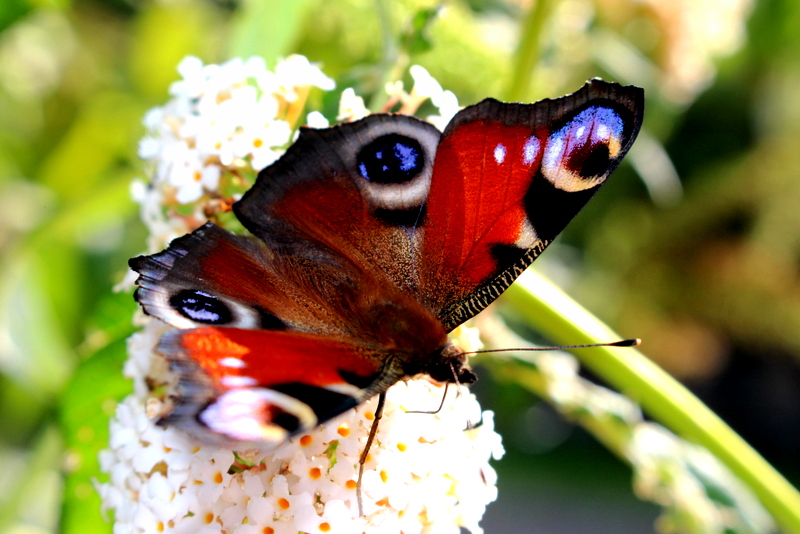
694, 246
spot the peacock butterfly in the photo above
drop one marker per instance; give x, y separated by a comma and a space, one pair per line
370, 242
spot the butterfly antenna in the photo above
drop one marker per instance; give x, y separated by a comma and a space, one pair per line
623, 343
441, 405
361, 461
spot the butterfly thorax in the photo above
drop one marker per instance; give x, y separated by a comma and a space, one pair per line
414, 341
445, 364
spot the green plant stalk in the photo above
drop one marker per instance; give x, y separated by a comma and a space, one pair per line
564, 321
607, 431
528, 50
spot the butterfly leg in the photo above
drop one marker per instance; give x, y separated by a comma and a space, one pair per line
361, 461
441, 404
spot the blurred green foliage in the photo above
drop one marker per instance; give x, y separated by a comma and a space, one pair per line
707, 269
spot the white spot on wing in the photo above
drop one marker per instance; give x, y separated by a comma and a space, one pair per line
234, 363
499, 153
244, 316
234, 381
553, 152
241, 414
530, 150
527, 236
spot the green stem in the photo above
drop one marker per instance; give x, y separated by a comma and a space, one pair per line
661, 396
605, 429
529, 49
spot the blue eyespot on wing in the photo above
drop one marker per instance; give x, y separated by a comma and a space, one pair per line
391, 159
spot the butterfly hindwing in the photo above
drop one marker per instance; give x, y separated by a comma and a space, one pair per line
260, 386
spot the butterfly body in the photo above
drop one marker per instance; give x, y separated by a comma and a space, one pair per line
370, 242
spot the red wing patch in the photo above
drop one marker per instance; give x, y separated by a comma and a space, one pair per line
481, 177
234, 357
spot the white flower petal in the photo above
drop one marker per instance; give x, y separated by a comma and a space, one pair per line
425, 85
315, 119
296, 70
351, 107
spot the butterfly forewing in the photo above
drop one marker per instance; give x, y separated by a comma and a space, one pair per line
507, 180
354, 192
213, 277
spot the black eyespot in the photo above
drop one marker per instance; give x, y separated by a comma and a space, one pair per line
359, 381
391, 159
324, 402
201, 307
270, 321
593, 162
284, 419
410, 218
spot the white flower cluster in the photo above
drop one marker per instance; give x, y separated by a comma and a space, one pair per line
229, 120
425, 87
424, 473
226, 114
226, 122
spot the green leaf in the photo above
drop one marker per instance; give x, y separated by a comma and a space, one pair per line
330, 452
415, 38
103, 134
32, 322
86, 406
29, 506
51, 4
110, 322
108, 204
11, 11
